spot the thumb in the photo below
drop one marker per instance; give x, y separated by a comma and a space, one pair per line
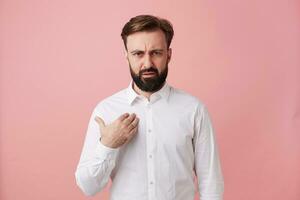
100, 121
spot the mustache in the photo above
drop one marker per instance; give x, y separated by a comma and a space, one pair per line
151, 69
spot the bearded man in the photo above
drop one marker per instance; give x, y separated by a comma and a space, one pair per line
150, 138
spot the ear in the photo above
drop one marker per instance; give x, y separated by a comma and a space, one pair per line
125, 55
169, 54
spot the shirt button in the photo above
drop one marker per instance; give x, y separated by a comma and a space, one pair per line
149, 130
150, 156
151, 182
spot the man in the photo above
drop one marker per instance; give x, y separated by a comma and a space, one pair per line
150, 138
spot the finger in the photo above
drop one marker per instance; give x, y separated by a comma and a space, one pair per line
124, 116
132, 133
100, 121
133, 124
129, 119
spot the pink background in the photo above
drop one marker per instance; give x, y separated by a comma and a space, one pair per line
60, 57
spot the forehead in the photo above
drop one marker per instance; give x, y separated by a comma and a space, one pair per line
147, 40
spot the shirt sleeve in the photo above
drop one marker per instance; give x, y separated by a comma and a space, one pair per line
207, 163
96, 161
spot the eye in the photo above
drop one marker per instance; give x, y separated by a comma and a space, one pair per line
157, 53
138, 54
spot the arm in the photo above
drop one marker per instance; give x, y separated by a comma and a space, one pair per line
207, 163
96, 160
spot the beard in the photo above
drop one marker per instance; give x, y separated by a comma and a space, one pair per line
149, 84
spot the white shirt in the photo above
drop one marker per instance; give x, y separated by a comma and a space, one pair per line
175, 142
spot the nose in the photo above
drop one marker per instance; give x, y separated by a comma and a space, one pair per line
147, 61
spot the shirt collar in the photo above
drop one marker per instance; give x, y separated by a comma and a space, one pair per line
164, 92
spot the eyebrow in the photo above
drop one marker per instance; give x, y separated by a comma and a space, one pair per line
136, 50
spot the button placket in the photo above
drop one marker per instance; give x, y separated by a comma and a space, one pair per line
150, 146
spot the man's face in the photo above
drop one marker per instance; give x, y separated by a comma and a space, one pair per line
148, 58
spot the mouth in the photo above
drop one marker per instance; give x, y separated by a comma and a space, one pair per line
148, 74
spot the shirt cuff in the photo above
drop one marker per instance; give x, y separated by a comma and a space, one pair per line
106, 153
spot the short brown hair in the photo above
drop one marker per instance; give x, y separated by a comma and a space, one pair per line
147, 23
